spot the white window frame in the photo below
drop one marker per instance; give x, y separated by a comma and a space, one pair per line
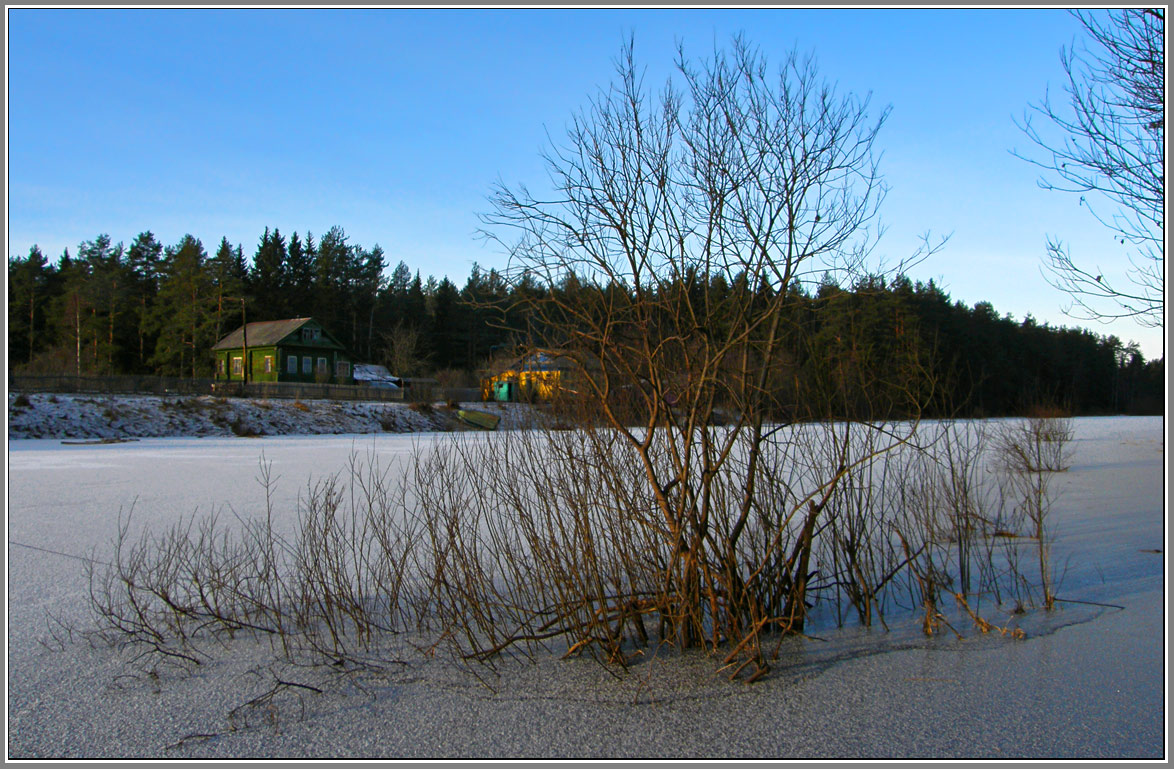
238, 365
268, 364
291, 364
323, 366
308, 364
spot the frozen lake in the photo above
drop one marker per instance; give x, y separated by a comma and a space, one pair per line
1089, 683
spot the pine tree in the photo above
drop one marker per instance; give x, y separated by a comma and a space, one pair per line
370, 286
144, 262
228, 283
445, 331
185, 311
28, 281
300, 275
330, 279
269, 278
106, 288
71, 311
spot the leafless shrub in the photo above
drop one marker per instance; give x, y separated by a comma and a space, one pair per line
490, 547
1036, 444
564, 545
60, 633
957, 525
327, 591
1028, 452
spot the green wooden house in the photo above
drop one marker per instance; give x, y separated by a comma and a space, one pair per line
292, 350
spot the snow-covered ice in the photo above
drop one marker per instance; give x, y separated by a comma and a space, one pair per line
1088, 682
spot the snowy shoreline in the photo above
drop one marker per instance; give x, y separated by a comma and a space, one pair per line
124, 417
1088, 682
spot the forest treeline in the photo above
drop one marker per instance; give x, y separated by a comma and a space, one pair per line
147, 308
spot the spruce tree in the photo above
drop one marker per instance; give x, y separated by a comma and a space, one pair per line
269, 279
144, 263
227, 286
185, 311
28, 281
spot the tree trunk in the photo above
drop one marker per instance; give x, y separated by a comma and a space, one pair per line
32, 322
77, 317
142, 343
110, 348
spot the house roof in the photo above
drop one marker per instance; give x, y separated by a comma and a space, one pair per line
269, 332
533, 362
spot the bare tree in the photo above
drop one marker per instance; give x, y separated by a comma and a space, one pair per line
669, 255
690, 509
401, 350
1112, 149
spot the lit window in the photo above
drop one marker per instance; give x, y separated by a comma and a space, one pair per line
220, 366
268, 364
238, 366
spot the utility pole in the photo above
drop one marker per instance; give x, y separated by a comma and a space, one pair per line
244, 338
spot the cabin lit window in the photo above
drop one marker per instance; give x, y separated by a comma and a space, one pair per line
268, 364
238, 366
220, 366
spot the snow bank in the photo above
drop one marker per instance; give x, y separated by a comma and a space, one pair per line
118, 417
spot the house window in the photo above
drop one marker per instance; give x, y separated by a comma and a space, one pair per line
322, 367
291, 364
268, 364
311, 334
307, 365
342, 369
220, 366
238, 366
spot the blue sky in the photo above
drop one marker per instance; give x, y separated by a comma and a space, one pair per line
394, 124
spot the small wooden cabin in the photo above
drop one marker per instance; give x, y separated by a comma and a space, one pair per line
536, 377
291, 350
